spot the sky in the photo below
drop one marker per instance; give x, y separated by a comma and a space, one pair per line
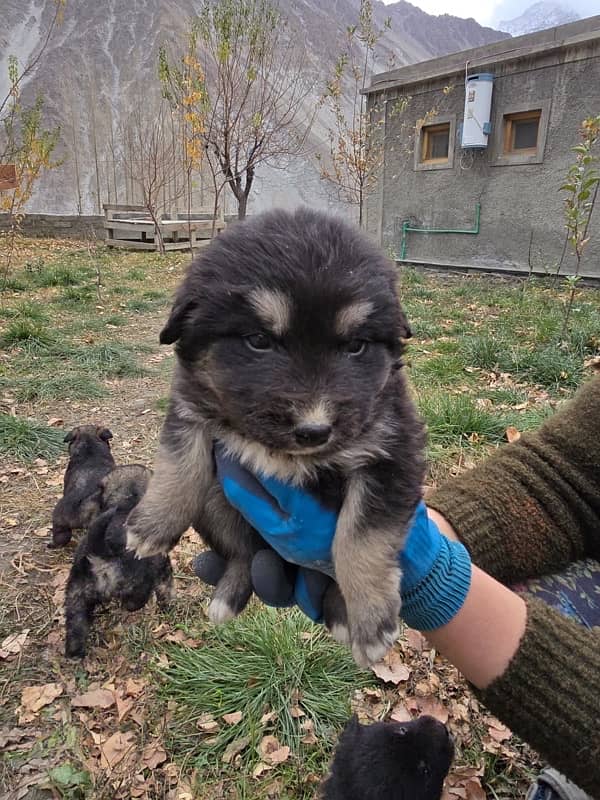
490, 12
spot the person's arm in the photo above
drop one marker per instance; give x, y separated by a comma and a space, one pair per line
533, 507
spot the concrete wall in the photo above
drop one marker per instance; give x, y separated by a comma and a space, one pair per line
522, 219
58, 226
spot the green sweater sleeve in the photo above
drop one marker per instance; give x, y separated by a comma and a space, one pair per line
532, 508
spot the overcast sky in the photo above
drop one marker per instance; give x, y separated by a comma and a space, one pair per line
490, 12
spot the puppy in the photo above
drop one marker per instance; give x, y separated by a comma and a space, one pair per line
103, 570
390, 761
90, 460
289, 341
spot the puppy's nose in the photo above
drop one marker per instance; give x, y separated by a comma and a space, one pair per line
312, 434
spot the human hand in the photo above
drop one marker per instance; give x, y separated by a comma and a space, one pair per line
436, 571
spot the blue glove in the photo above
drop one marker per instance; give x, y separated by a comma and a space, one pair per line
436, 570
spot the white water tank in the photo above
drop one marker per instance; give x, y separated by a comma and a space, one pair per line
477, 123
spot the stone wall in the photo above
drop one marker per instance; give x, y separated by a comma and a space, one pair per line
522, 210
59, 226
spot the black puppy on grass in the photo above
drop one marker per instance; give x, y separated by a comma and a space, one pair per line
102, 568
390, 761
90, 460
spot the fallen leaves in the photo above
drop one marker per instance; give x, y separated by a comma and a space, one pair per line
234, 718
34, 698
98, 698
234, 748
512, 434
114, 749
391, 668
272, 752
13, 644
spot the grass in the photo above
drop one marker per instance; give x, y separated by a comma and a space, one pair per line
54, 387
25, 440
26, 331
452, 418
263, 662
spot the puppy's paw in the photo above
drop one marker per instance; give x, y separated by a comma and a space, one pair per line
148, 536
74, 648
220, 611
373, 631
340, 632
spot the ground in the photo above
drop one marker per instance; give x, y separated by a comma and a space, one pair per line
165, 706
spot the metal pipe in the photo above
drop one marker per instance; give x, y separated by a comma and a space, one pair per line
408, 228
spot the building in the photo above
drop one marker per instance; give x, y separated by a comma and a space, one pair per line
494, 204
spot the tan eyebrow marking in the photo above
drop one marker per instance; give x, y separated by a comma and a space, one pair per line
352, 316
273, 307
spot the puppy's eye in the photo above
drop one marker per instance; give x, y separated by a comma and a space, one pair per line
356, 347
259, 342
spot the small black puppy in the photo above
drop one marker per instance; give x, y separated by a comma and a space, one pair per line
103, 570
390, 761
290, 338
90, 460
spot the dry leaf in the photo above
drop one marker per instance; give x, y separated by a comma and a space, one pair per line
153, 755
433, 708
115, 748
233, 718
400, 713
272, 752
498, 731
474, 790
134, 687
123, 706
296, 712
592, 363
512, 434
309, 728
98, 698
391, 669
268, 717
35, 697
415, 640
55, 422
235, 748
260, 769
207, 723
13, 644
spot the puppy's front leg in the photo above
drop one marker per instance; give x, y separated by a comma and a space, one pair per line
176, 492
366, 568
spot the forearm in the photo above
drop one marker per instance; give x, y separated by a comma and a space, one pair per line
534, 506
485, 634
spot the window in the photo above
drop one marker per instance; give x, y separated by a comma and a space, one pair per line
434, 147
521, 132
435, 143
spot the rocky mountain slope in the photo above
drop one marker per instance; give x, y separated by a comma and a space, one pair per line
101, 63
539, 16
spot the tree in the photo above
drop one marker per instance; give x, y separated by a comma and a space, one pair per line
581, 186
252, 92
152, 161
25, 142
355, 139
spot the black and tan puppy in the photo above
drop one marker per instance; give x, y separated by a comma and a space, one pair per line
103, 569
289, 341
90, 460
390, 761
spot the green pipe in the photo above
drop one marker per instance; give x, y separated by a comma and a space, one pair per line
408, 228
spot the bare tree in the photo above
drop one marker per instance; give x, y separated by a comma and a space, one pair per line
151, 160
253, 100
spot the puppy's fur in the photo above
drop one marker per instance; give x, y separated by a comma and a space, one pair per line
102, 568
289, 341
390, 761
90, 460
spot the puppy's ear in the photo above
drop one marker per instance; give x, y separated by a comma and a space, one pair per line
105, 434
69, 437
172, 330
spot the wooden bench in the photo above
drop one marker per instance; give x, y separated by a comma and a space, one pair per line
130, 226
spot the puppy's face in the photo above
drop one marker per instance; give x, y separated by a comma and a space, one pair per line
289, 329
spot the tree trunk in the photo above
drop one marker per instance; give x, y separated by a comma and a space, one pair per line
242, 206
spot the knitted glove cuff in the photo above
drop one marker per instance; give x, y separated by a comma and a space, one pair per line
440, 594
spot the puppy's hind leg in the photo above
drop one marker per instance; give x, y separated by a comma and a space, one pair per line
176, 492
61, 529
232, 593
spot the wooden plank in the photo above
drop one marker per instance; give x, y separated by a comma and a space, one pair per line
130, 244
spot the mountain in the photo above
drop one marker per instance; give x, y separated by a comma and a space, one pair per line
538, 17
101, 64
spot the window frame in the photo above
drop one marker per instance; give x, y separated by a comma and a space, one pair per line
503, 154
421, 143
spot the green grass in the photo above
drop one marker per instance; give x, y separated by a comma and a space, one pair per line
26, 331
71, 386
265, 661
454, 418
76, 296
25, 309
25, 440
57, 275
483, 351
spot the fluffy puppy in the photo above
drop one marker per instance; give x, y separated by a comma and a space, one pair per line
390, 761
102, 568
289, 341
90, 460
